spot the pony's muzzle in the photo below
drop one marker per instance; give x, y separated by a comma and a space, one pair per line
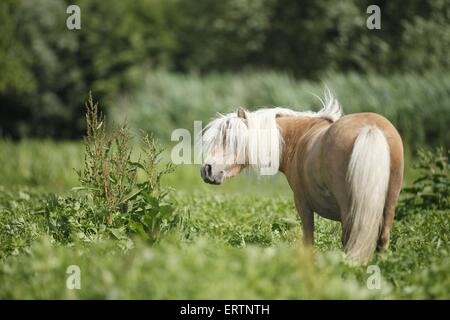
206, 173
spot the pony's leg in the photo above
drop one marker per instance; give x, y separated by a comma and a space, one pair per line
389, 211
345, 225
395, 185
383, 241
345, 235
307, 217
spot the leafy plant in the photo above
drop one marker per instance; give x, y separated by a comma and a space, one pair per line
108, 171
148, 212
128, 201
431, 189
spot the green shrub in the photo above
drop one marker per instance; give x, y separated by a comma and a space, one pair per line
47, 69
431, 190
110, 178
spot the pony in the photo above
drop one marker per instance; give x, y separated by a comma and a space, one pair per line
347, 168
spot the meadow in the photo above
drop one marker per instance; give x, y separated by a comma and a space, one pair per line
182, 239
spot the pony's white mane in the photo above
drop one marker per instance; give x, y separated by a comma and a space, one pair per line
257, 140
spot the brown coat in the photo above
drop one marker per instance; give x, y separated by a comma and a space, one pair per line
316, 155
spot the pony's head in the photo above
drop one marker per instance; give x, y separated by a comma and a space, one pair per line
238, 140
224, 147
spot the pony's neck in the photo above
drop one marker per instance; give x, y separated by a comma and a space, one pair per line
296, 133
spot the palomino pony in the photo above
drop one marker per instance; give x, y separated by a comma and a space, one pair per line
344, 168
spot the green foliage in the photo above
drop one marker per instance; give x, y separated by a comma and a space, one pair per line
242, 224
431, 190
50, 105
198, 270
118, 197
108, 173
417, 105
214, 262
426, 39
42, 164
47, 69
222, 35
418, 259
27, 215
205, 242
240, 244
110, 177
14, 59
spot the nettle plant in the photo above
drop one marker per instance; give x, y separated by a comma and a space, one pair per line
431, 190
124, 185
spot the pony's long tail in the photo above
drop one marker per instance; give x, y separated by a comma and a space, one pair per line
368, 174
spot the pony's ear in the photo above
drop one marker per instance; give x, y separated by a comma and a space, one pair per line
241, 113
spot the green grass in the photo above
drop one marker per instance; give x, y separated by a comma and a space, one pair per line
419, 106
41, 164
50, 166
230, 247
239, 241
